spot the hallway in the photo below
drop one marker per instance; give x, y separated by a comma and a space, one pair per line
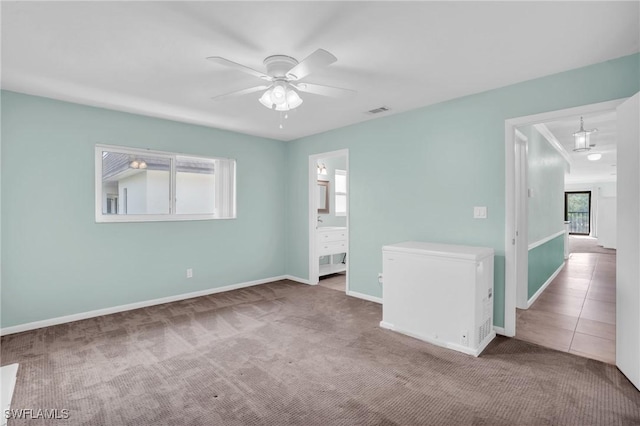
577, 311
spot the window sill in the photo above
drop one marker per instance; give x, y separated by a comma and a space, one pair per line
156, 218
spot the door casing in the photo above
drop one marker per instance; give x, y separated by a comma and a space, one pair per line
514, 241
313, 212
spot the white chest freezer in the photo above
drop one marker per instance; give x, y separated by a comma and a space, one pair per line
439, 293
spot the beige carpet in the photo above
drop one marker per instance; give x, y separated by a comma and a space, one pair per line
286, 353
584, 244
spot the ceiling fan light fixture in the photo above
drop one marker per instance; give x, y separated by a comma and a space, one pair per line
293, 99
283, 74
279, 94
280, 98
265, 99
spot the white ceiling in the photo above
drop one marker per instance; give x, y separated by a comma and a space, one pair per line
583, 170
149, 57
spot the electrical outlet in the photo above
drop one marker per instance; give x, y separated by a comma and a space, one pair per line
189, 273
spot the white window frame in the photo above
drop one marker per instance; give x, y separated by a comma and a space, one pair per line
225, 188
336, 194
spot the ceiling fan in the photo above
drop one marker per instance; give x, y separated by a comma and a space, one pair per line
282, 80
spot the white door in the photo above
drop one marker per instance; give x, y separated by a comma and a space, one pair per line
628, 255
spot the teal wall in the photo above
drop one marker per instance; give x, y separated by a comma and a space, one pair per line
544, 260
57, 261
545, 177
418, 174
413, 176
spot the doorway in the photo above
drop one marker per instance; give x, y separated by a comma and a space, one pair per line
577, 212
329, 195
627, 352
515, 228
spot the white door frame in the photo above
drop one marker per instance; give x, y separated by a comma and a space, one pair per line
516, 243
627, 291
313, 212
522, 219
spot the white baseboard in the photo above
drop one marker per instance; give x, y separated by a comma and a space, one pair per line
387, 325
364, 296
128, 307
449, 345
500, 331
297, 279
544, 286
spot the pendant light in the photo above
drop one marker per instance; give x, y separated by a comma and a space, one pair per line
581, 138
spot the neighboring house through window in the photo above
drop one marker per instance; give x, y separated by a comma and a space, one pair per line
134, 185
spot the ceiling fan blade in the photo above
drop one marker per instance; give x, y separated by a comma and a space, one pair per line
239, 93
318, 59
319, 89
231, 64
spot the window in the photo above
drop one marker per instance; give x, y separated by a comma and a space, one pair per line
341, 192
577, 211
134, 185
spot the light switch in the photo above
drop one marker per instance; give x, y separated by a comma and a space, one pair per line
480, 212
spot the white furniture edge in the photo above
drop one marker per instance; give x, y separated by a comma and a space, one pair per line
448, 345
8, 376
136, 305
544, 286
364, 296
417, 247
545, 240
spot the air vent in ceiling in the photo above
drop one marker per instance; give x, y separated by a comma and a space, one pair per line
378, 110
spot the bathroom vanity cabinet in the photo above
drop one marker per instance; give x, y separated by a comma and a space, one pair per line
332, 240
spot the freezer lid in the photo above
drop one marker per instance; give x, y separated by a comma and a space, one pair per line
441, 250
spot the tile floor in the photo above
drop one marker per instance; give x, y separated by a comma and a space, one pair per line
577, 311
334, 281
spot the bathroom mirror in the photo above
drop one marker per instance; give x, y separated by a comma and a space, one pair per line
323, 196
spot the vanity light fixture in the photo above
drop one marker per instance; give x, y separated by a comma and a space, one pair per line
581, 138
322, 169
138, 164
594, 157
